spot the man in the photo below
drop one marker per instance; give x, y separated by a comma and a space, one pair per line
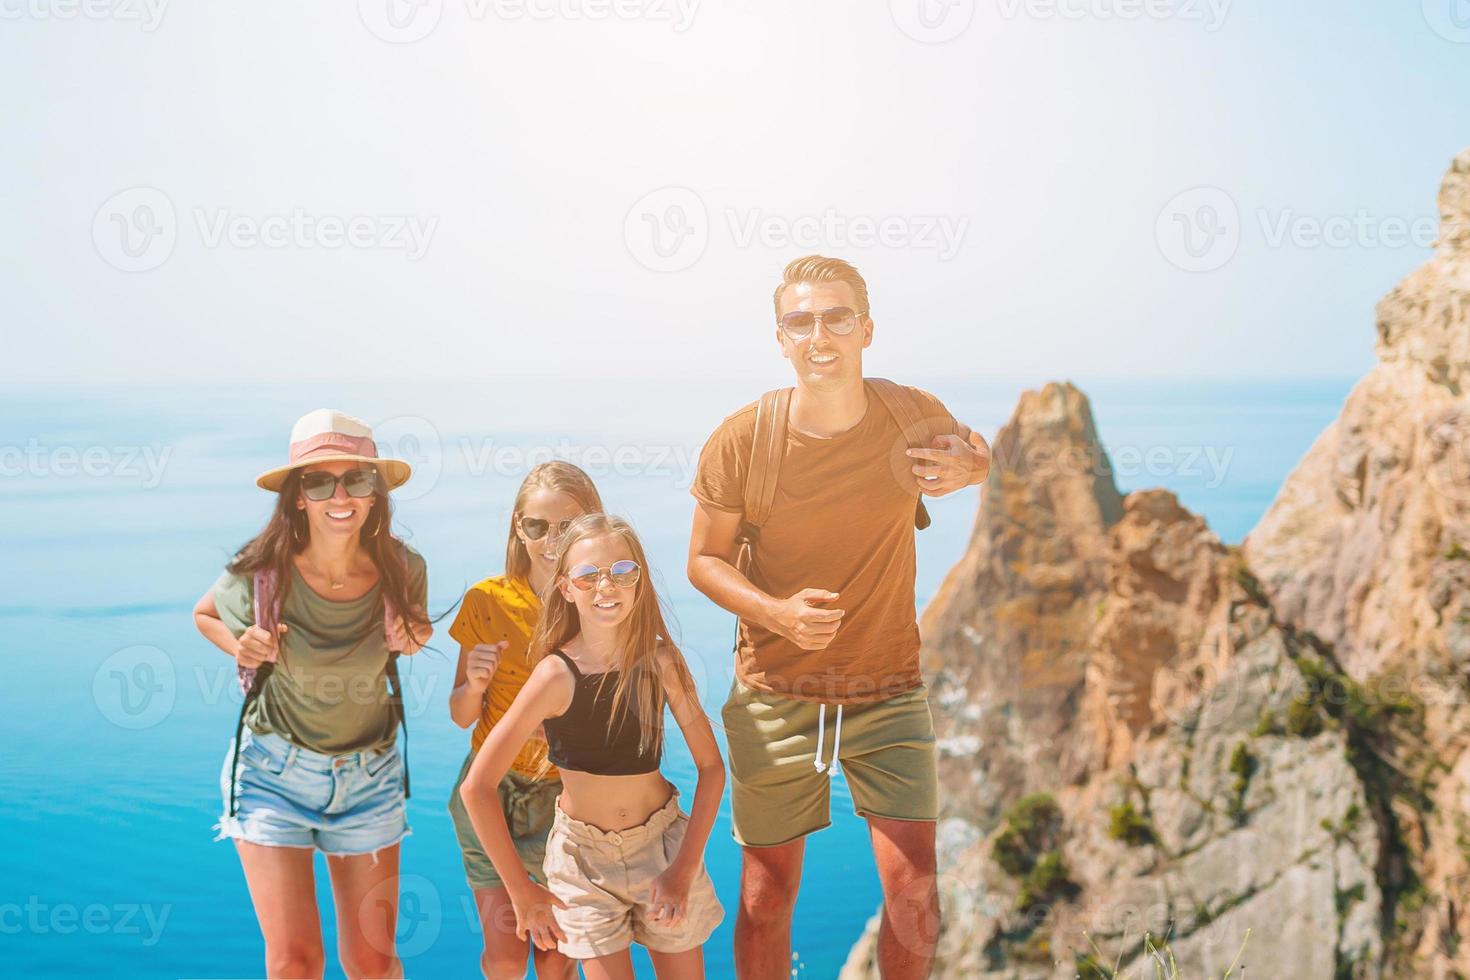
827, 665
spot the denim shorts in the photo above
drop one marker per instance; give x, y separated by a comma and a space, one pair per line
288, 796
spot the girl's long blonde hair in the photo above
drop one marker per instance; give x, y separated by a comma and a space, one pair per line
639, 687
558, 475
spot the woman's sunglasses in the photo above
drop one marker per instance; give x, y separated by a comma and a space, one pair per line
624, 575
535, 528
320, 485
838, 320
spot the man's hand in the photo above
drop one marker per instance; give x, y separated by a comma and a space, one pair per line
800, 619
951, 463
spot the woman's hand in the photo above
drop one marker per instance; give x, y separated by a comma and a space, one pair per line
256, 646
406, 640
534, 918
670, 895
481, 662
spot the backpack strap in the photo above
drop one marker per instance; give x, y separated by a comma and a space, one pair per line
904, 404
766, 450
762, 474
395, 683
252, 679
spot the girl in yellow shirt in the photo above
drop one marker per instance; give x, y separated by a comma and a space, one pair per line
494, 627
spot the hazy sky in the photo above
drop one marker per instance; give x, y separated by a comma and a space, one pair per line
609, 188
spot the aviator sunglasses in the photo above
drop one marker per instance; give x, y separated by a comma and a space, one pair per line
535, 528
839, 320
624, 574
320, 485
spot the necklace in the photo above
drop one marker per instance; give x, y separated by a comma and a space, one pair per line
331, 582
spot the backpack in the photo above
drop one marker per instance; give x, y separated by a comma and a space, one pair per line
766, 449
252, 679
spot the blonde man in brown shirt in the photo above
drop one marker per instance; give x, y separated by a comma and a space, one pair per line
804, 528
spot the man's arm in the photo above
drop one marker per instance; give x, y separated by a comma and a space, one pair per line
798, 618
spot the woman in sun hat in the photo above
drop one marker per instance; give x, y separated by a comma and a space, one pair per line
315, 610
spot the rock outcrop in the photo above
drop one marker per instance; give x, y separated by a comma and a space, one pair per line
1144, 730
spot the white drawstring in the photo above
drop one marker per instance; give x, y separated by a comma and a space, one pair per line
836, 741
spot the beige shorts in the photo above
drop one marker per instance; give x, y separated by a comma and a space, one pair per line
605, 877
777, 794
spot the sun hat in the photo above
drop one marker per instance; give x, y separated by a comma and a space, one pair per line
329, 436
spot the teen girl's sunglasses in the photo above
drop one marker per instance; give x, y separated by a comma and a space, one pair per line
839, 320
624, 574
535, 528
320, 485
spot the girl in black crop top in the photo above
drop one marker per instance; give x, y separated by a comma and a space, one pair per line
605, 671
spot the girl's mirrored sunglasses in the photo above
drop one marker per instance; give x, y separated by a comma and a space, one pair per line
624, 574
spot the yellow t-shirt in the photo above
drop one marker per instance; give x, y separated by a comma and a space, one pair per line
504, 608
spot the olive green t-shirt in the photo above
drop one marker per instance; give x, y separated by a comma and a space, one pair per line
329, 689
842, 520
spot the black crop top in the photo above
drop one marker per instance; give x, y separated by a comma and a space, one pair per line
578, 738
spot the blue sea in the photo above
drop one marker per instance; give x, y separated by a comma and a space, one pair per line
119, 506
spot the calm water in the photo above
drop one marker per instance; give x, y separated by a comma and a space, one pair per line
117, 509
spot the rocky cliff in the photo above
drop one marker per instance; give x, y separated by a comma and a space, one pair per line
1142, 730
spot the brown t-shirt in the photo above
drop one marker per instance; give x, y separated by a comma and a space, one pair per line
842, 520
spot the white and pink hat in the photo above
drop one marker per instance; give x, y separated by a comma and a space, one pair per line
329, 436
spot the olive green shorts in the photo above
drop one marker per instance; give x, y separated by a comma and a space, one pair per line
777, 793
529, 806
